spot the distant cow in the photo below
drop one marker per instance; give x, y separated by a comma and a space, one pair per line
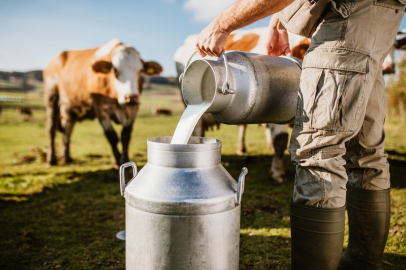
388, 66
163, 111
24, 111
249, 41
104, 82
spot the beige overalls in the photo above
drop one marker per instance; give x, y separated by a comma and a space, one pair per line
338, 134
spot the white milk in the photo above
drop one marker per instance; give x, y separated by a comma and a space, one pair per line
187, 123
193, 112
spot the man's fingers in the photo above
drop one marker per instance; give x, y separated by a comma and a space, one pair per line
204, 49
270, 50
288, 52
217, 52
201, 53
209, 52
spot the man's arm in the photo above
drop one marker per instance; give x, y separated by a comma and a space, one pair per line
212, 39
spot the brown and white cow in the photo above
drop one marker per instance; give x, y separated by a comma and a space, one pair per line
388, 66
104, 82
253, 41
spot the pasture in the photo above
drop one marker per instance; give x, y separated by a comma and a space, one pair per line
66, 217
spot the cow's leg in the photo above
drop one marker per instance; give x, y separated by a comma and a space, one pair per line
112, 138
125, 141
268, 135
108, 129
67, 127
241, 149
280, 141
52, 110
67, 123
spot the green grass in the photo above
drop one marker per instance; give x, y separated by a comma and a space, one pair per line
66, 217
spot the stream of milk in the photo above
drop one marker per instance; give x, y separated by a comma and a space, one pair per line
193, 112
187, 122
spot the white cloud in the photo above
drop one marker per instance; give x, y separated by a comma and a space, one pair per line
206, 10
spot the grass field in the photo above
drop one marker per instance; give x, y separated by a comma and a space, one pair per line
66, 217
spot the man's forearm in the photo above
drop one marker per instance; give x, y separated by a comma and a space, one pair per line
245, 12
212, 39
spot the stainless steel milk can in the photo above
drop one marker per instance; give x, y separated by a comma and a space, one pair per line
182, 208
244, 88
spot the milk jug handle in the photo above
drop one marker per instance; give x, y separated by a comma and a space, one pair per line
225, 87
122, 175
241, 184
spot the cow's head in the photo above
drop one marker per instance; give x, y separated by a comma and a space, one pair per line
125, 66
299, 51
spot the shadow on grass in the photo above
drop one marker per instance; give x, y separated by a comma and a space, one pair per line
394, 261
73, 226
70, 226
397, 172
264, 252
265, 202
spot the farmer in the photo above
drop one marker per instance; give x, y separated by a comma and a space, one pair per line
338, 135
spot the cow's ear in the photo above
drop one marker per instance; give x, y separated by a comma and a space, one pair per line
152, 68
102, 66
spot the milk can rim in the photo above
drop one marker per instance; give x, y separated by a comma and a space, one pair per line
208, 144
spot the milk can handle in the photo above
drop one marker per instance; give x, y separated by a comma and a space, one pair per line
225, 87
122, 176
241, 183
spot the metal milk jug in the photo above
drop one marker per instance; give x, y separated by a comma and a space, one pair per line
182, 208
244, 88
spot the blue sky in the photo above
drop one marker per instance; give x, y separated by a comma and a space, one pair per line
32, 32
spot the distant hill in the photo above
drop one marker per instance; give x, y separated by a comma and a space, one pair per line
164, 80
37, 75
30, 75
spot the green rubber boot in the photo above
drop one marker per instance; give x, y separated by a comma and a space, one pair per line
368, 221
317, 237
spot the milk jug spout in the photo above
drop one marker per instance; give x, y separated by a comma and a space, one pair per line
244, 88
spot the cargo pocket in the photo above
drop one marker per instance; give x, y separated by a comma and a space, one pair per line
338, 58
326, 100
339, 101
398, 5
339, 96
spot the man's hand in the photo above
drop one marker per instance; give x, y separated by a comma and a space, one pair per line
278, 42
212, 39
